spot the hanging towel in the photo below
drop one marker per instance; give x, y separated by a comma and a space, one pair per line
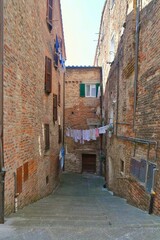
94, 134
102, 130
97, 132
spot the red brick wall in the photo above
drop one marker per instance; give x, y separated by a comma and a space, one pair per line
27, 108
78, 112
120, 87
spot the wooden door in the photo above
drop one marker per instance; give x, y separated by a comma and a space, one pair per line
89, 163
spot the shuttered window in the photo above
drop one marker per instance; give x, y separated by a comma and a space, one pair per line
48, 75
60, 134
59, 94
56, 60
54, 107
19, 180
47, 137
25, 169
82, 90
97, 86
89, 90
50, 14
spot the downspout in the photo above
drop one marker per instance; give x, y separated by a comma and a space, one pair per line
101, 115
63, 108
2, 170
63, 118
101, 98
117, 98
136, 58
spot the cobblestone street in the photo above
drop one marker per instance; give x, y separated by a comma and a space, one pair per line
81, 209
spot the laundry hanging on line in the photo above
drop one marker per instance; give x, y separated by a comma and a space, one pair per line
86, 135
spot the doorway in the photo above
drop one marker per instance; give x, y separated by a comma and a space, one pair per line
89, 163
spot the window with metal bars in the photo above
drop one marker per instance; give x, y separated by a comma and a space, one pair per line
47, 137
48, 75
49, 14
55, 114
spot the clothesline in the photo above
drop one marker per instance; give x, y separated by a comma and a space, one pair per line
86, 135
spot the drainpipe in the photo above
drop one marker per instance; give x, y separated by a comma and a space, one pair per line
152, 194
2, 170
101, 113
136, 58
117, 98
101, 98
15, 194
63, 108
63, 117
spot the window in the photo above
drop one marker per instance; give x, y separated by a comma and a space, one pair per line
102, 34
112, 3
47, 179
48, 75
89, 90
60, 134
138, 169
25, 168
112, 45
122, 166
47, 138
49, 13
59, 61
54, 108
59, 94
19, 180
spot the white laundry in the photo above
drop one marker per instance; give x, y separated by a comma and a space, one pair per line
102, 130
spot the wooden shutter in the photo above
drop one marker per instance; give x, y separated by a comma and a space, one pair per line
97, 86
82, 90
60, 134
19, 180
49, 13
47, 138
25, 168
56, 59
48, 75
59, 94
55, 108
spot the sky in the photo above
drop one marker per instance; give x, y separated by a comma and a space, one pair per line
81, 22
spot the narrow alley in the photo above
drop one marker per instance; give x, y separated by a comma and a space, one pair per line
81, 209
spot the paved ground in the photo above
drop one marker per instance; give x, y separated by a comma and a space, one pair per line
81, 210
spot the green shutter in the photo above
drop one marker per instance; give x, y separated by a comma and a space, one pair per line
82, 90
97, 86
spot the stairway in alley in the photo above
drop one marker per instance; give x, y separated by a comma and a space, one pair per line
81, 209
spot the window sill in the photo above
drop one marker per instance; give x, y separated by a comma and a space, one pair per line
90, 96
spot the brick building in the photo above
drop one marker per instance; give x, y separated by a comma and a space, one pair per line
82, 112
33, 81
128, 50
